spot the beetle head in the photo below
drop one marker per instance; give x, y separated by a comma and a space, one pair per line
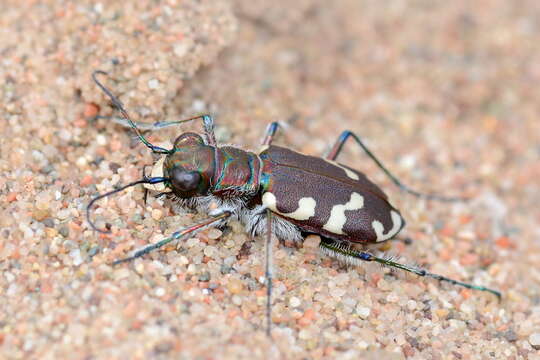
190, 166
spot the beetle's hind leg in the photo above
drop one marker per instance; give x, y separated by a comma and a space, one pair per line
338, 146
345, 253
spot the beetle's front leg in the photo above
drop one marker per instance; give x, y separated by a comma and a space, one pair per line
180, 234
208, 124
338, 146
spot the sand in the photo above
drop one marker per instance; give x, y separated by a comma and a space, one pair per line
445, 93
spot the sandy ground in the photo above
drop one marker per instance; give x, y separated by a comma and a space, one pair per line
445, 93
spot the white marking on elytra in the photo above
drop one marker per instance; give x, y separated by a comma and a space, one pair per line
306, 207
157, 171
337, 214
379, 228
348, 172
263, 148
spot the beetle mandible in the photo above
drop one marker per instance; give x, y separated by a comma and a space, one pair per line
276, 191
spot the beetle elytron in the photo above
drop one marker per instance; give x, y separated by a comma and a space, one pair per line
277, 191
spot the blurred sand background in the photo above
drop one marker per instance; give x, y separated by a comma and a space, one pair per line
446, 93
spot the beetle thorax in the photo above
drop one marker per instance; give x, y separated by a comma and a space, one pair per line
196, 169
237, 172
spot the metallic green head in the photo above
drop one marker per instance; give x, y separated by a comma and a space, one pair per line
190, 167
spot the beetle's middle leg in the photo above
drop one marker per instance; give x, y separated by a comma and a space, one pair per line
270, 132
268, 272
338, 146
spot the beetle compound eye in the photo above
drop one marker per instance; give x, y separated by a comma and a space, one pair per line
185, 180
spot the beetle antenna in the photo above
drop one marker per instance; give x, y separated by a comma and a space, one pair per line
118, 104
153, 180
346, 253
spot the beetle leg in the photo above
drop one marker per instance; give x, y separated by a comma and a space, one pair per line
145, 189
338, 146
118, 104
268, 272
180, 234
343, 252
208, 124
142, 125
270, 132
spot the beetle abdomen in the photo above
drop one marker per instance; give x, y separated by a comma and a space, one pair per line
326, 198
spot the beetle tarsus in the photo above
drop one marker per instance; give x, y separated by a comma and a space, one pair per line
120, 106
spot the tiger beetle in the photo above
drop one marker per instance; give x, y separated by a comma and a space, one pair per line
275, 191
